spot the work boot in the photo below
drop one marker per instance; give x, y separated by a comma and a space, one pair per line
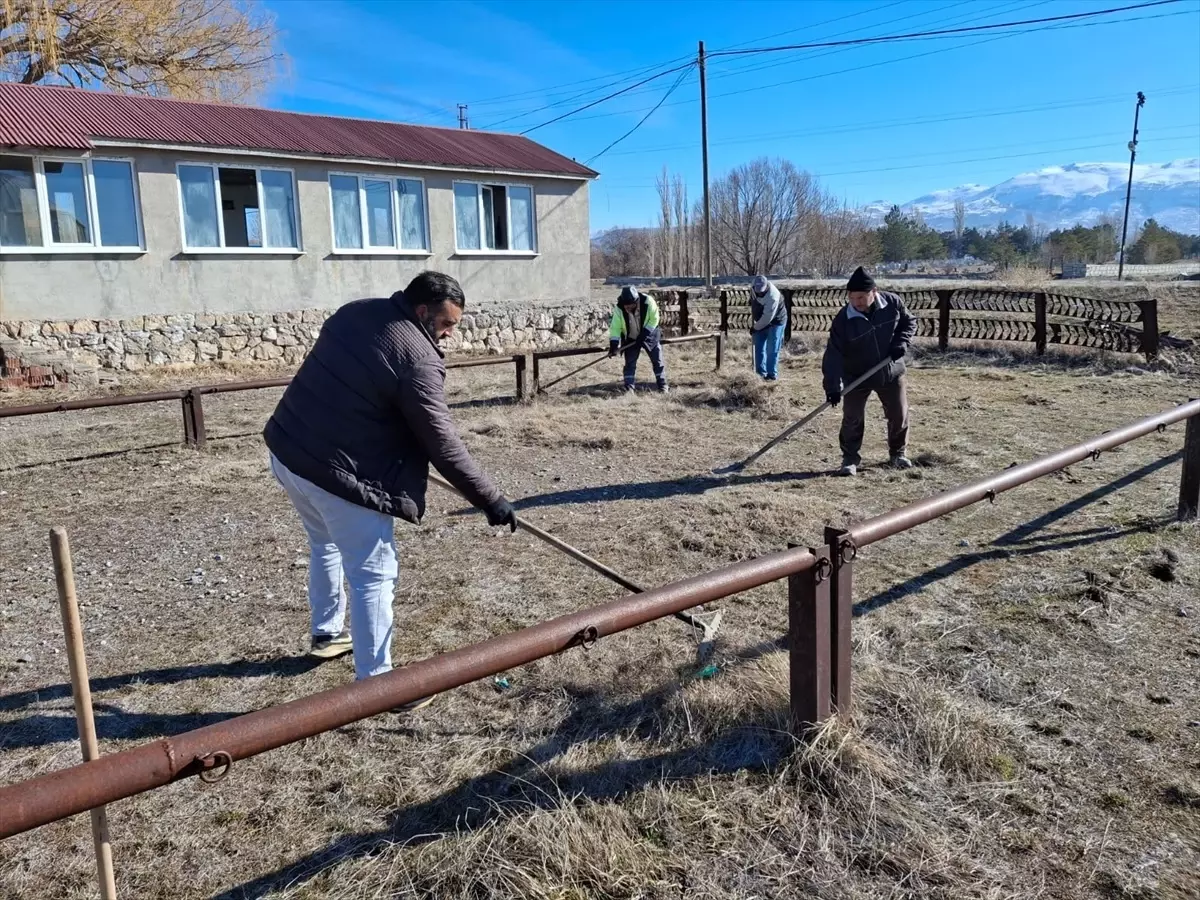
630, 387
662, 387
900, 461
848, 470
330, 646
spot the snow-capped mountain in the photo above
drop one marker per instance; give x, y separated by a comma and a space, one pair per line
1062, 196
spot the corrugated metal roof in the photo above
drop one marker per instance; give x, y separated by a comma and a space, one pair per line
69, 118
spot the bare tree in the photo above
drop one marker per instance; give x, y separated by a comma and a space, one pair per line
838, 239
760, 212
960, 225
192, 49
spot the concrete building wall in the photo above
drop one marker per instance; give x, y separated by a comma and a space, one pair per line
165, 281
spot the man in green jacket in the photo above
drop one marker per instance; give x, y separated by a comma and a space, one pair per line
635, 326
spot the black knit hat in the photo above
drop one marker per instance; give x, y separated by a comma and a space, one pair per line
629, 294
860, 281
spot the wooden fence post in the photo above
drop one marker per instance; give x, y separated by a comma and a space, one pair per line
521, 361
944, 318
1149, 310
1189, 479
684, 323
720, 349
724, 312
841, 603
808, 644
1039, 322
193, 418
82, 692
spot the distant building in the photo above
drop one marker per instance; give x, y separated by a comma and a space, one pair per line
114, 205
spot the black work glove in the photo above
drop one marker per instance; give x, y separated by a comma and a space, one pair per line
613, 347
898, 352
501, 513
834, 397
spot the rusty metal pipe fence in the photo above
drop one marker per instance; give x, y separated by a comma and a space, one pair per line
209, 752
820, 598
191, 399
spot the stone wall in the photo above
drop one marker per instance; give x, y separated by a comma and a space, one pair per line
191, 339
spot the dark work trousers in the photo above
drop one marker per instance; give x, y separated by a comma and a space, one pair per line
854, 407
654, 350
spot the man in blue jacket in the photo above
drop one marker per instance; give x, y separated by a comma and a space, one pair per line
872, 327
768, 316
351, 442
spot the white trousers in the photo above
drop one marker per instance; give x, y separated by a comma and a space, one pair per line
359, 544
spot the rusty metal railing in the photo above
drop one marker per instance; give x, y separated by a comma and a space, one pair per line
192, 398
820, 588
539, 356
210, 751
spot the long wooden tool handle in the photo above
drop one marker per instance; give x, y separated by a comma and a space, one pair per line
796, 426
77, 663
543, 388
557, 544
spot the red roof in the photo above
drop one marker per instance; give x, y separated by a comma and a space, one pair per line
68, 118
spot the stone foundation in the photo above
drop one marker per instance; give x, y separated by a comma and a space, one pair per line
196, 338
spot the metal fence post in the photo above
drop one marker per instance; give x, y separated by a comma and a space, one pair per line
808, 643
1039, 322
787, 326
1189, 479
944, 318
193, 418
841, 602
1149, 310
720, 349
520, 361
684, 323
535, 384
724, 312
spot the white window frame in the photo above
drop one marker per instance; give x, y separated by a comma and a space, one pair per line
484, 251
48, 246
366, 249
223, 250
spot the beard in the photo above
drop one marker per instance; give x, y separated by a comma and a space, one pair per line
429, 322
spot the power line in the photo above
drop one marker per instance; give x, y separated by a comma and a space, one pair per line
762, 87
971, 29
670, 91
911, 122
636, 72
608, 97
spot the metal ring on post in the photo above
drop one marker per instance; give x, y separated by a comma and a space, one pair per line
848, 551
823, 569
216, 766
1162, 429
587, 638
1095, 456
991, 496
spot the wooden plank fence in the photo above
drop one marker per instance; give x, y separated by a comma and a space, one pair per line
1041, 318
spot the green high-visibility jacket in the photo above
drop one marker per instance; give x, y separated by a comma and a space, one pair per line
647, 320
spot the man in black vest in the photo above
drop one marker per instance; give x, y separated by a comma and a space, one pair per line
635, 324
351, 442
872, 327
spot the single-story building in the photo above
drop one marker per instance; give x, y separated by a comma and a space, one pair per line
113, 206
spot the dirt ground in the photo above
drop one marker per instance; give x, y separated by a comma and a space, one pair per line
1027, 708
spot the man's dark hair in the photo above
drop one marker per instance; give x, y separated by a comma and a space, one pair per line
432, 289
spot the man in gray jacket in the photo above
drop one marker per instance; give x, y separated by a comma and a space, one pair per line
872, 327
351, 442
768, 318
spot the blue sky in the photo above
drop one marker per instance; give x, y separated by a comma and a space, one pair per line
888, 122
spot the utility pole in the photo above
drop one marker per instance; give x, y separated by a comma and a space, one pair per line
462, 116
1141, 101
708, 283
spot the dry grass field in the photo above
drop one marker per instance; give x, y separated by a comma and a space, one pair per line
1027, 706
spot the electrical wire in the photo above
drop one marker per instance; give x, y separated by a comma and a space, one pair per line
971, 29
670, 90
